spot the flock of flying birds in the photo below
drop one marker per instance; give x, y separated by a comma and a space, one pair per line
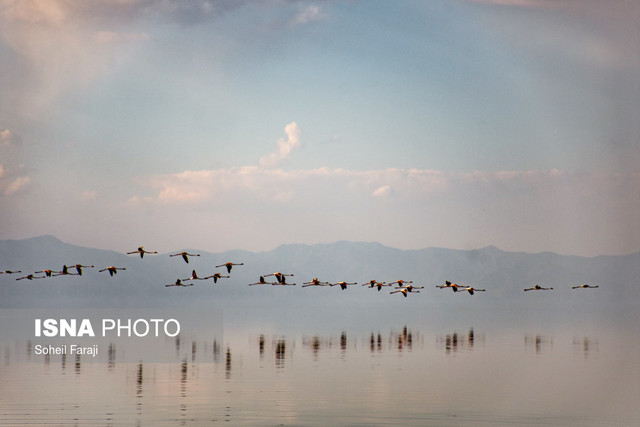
403, 287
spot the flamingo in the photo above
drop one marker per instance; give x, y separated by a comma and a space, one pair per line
229, 265
403, 291
46, 272
112, 270
537, 288
585, 286
194, 276
65, 272
261, 281
343, 285
216, 276
315, 282
141, 251
374, 284
178, 282
10, 271
185, 256
471, 290
448, 284
283, 282
400, 282
280, 277
30, 277
79, 268
410, 288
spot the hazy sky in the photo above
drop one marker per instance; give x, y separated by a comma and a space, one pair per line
246, 124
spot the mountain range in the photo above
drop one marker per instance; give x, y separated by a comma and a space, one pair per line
504, 275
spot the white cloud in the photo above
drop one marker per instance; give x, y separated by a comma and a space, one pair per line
11, 182
16, 185
285, 146
309, 14
7, 138
384, 191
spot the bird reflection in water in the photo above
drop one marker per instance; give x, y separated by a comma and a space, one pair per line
281, 348
403, 340
216, 351
111, 356
456, 341
538, 342
177, 341
315, 343
261, 346
227, 364
139, 381
78, 364
194, 349
343, 344
184, 370
585, 345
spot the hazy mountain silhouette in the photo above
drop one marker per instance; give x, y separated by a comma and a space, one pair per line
502, 274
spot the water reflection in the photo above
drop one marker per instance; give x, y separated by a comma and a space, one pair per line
403, 340
538, 342
355, 363
216, 352
227, 364
261, 346
281, 347
111, 356
455, 341
585, 345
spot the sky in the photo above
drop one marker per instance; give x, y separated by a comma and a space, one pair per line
247, 124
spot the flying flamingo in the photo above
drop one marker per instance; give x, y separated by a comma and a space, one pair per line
403, 291
375, 284
46, 272
410, 288
112, 270
10, 271
216, 276
79, 268
261, 281
283, 282
65, 272
194, 276
400, 282
585, 286
178, 282
315, 282
30, 277
537, 288
280, 277
448, 284
229, 265
141, 251
343, 285
185, 256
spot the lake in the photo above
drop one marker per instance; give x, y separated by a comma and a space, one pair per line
335, 365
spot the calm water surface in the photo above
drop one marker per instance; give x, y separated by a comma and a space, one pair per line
318, 366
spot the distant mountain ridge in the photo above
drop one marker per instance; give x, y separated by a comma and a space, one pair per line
503, 274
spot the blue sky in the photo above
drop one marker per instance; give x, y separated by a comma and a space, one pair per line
248, 124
